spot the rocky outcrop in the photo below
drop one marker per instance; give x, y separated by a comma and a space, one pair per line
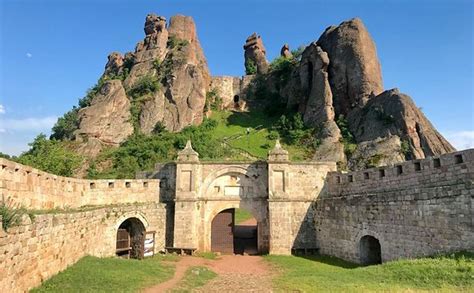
107, 120
164, 81
395, 114
255, 55
285, 51
354, 69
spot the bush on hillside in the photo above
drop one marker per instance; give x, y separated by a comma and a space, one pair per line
50, 156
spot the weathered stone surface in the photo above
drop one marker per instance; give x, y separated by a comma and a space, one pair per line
255, 53
107, 119
377, 152
354, 70
114, 64
318, 106
285, 51
393, 113
185, 81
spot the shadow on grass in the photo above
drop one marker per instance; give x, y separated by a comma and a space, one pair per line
251, 119
330, 260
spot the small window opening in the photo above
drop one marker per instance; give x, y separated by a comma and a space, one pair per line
338, 179
236, 98
436, 162
128, 184
366, 175
417, 166
399, 170
145, 184
382, 173
351, 178
111, 185
92, 185
458, 159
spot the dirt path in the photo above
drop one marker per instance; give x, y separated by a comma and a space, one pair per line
235, 273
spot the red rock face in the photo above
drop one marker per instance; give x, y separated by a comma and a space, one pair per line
354, 69
255, 53
171, 56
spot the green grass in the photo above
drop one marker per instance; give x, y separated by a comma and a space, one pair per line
452, 273
242, 215
206, 255
232, 128
92, 274
194, 277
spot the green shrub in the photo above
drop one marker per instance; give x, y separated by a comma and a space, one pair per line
159, 128
281, 68
348, 139
213, 101
50, 156
66, 125
144, 86
405, 148
250, 67
176, 43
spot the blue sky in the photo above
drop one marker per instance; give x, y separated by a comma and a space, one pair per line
51, 52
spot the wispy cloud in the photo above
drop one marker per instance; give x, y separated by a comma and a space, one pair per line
29, 55
461, 140
28, 124
2, 109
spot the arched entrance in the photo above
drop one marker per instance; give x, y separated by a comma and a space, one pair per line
131, 239
234, 231
370, 250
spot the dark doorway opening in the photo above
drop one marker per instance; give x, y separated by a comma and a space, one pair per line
234, 231
236, 98
131, 239
370, 250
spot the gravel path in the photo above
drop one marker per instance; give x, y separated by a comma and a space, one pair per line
235, 273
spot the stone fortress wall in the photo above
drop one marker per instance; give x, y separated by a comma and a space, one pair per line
415, 208
39, 190
227, 87
81, 217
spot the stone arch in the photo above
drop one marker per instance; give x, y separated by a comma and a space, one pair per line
258, 212
133, 225
219, 173
367, 232
370, 251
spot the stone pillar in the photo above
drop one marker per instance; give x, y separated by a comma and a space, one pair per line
188, 174
278, 205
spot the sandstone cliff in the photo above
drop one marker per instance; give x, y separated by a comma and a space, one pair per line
338, 79
163, 82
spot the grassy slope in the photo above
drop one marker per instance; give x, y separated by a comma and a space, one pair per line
92, 274
232, 128
326, 274
242, 215
194, 277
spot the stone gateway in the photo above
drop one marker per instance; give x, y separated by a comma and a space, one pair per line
411, 209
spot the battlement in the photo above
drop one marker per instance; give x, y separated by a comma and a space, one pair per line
36, 189
430, 172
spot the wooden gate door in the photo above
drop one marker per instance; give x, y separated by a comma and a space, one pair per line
123, 247
222, 236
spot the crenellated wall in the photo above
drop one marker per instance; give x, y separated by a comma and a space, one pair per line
43, 246
36, 189
415, 208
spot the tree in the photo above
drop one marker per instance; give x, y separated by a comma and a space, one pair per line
50, 156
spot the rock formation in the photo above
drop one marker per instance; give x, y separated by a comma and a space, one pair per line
107, 120
164, 81
354, 70
255, 54
285, 51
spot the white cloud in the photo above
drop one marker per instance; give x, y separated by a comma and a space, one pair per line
461, 140
28, 124
2, 109
29, 55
